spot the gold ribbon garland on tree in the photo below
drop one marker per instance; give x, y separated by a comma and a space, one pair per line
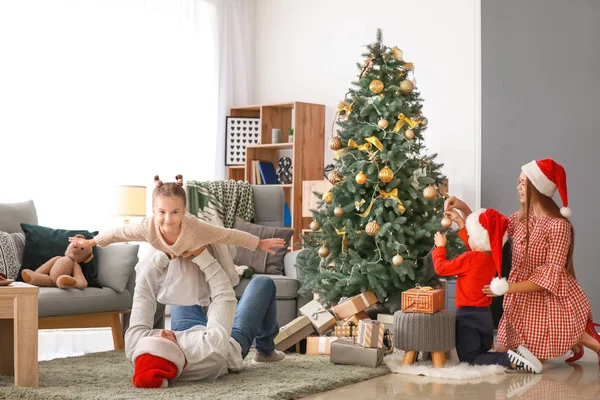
366, 146
403, 120
385, 195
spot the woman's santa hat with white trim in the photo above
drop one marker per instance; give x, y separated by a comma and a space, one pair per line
487, 229
547, 176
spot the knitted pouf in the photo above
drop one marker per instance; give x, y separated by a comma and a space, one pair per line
433, 333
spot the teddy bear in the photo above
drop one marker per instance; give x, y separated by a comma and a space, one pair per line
61, 271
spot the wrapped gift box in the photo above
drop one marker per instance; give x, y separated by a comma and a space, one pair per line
343, 351
387, 320
354, 305
370, 333
321, 319
343, 330
319, 344
423, 300
293, 332
356, 318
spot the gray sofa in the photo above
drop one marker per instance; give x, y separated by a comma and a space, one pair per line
91, 307
109, 306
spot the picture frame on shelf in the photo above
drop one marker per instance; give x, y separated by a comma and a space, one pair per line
240, 132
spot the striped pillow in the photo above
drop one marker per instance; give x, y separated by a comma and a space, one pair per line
11, 253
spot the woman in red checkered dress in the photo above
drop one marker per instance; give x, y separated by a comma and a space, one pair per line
545, 309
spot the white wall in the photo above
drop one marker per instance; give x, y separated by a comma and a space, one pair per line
307, 51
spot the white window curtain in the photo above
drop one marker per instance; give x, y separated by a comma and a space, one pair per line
98, 93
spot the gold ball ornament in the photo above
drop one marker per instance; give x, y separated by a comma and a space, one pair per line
424, 122
376, 86
386, 174
372, 228
315, 226
383, 123
334, 177
323, 252
397, 260
328, 197
429, 192
446, 223
406, 86
338, 211
335, 143
361, 178
397, 54
409, 134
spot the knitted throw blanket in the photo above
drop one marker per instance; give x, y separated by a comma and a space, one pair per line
229, 199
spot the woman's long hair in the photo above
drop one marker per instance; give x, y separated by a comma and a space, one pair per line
534, 196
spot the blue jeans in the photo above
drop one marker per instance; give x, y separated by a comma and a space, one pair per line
255, 317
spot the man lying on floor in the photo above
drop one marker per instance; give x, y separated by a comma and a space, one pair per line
198, 347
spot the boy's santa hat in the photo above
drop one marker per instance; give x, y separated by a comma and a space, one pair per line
547, 175
156, 360
487, 229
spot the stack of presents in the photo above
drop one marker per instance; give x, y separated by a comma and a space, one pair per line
346, 333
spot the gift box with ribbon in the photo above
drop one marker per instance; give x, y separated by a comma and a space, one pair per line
344, 351
293, 333
423, 299
370, 333
345, 330
356, 318
321, 319
319, 344
354, 305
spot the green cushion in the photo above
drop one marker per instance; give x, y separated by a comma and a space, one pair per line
42, 243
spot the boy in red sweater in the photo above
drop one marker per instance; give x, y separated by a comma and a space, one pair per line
484, 236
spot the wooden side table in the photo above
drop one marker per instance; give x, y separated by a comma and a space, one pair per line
19, 333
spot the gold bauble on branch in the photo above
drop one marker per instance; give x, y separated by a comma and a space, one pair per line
430, 192
383, 123
361, 178
327, 197
338, 211
335, 143
376, 86
424, 122
397, 54
314, 225
406, 86
409, 134
386, 174
323, 251
372, 228
334, 177
446, 223
397, 260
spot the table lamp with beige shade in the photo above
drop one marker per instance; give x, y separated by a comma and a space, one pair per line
129, 202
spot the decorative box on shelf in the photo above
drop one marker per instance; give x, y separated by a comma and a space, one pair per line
423, 300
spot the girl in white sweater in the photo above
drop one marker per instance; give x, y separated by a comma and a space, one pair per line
178, 233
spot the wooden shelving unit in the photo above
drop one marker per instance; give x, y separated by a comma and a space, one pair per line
307, 148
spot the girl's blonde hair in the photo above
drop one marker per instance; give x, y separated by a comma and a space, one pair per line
174, 189
551, 208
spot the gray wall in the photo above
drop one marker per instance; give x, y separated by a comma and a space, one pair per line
541, 99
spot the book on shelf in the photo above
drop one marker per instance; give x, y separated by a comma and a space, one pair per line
267, 173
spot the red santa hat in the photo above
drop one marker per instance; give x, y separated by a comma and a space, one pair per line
487, 229
547, 175
156, 361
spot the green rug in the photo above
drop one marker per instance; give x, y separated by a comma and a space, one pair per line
108, 376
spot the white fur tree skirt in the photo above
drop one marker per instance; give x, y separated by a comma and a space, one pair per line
454, 370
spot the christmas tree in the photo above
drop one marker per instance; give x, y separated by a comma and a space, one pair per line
374, 229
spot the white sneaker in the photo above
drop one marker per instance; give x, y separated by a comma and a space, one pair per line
525, 361
273, 357
524, 351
